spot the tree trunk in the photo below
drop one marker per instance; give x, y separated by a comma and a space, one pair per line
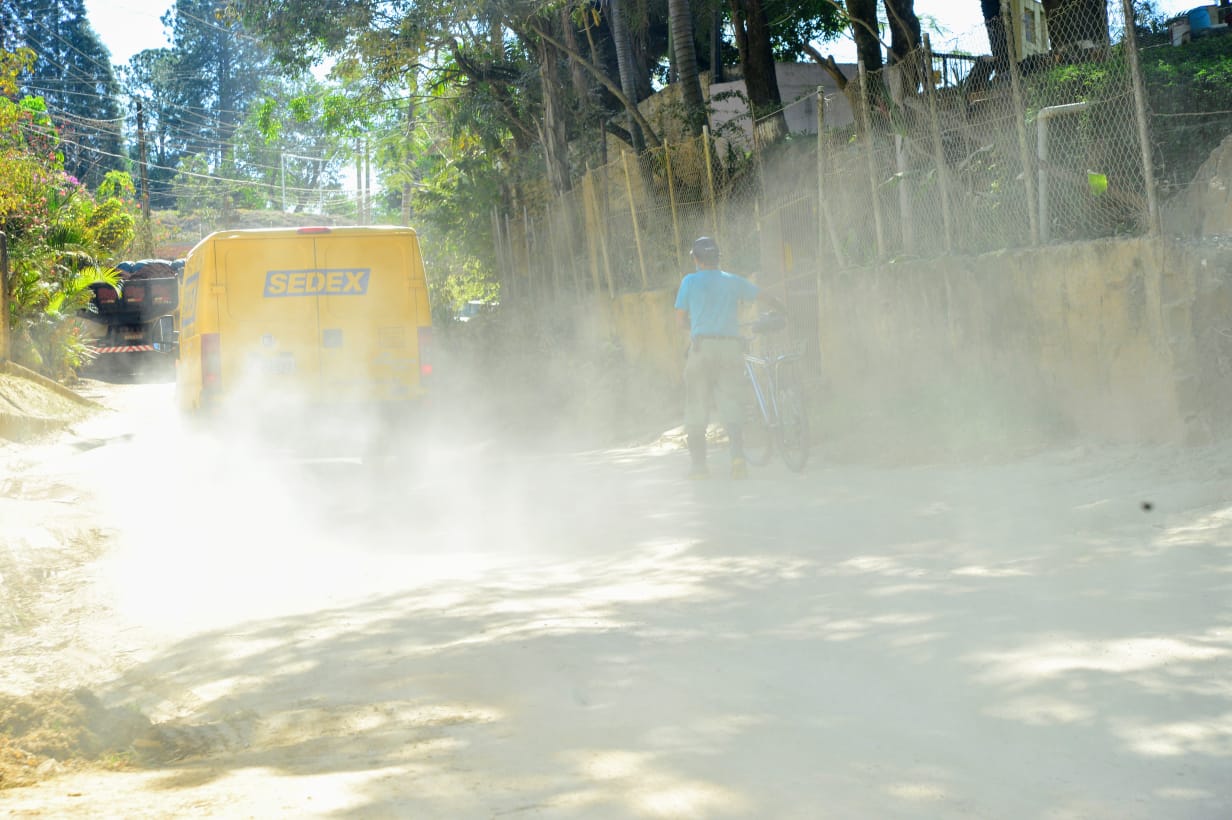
606, 81
998, 36
680, 20
826, 61
624, 61
227, 103
863, 16
904, 46
555, 140
904, 29
581, 87
1077, 25
757, 59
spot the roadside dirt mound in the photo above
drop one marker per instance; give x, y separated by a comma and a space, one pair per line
49, 734
43, 735
31, 406
1205, 208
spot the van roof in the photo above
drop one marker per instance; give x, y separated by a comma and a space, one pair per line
313, 230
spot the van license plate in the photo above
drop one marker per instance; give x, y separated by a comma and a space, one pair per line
283, 364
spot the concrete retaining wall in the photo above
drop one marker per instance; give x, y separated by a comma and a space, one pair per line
1116, 340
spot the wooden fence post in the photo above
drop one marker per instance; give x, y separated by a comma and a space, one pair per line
714, 212
590, 224
1154, 224
637, 234
943, 170
530, 279
1020, 121
514, 286
867, 127
671, 196
823, 205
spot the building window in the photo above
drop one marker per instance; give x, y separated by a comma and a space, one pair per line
1028, 26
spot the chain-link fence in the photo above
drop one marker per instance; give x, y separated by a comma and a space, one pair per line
1043, 147
1047, 139
626, 226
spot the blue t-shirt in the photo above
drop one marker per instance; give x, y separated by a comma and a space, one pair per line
712, 298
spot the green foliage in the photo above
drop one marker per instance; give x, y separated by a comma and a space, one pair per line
12, 65
117, 184
297, 139
1189, 94
111, 226
195, 96
796, 23
54, 340
454, 280
73, 73
195, 192
58, 234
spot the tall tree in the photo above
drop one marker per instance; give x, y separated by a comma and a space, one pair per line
998, 36
904, 28
171, 126
864, 28
552, 131
73, 74
220, 70
753, 35
624, 60
904, 48
684, 49
10, 33
294, 140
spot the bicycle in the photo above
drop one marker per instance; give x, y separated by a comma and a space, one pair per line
776, 416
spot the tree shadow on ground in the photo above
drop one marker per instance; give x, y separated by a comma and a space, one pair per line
915, 643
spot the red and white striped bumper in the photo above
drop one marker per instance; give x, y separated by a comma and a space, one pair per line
125, 349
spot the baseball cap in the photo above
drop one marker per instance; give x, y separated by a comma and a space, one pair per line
705, 247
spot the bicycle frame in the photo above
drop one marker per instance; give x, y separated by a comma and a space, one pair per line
779, 396
754, 366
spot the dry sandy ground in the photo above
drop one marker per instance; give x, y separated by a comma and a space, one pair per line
485, 631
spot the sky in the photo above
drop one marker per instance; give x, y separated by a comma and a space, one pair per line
129, 26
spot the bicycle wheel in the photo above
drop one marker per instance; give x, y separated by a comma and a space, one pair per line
758, 443
792, 435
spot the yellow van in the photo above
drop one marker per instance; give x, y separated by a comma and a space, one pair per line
314, 316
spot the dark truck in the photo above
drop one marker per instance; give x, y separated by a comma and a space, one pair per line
133, 330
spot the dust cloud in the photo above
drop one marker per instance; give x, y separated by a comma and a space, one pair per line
515, 600
271, 506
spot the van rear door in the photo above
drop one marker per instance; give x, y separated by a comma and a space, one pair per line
271, 317
369, 317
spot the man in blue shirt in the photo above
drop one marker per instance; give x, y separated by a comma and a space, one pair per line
708, 304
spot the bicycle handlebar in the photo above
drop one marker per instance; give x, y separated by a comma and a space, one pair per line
769, 322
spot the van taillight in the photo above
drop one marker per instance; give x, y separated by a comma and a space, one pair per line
425, 352
211, 362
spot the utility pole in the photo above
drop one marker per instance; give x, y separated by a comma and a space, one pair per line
367, 182
359, 180
406, 162
145, 181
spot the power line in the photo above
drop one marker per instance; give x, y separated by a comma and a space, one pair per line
191, 174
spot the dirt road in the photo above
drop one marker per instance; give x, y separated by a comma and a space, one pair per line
490, 630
